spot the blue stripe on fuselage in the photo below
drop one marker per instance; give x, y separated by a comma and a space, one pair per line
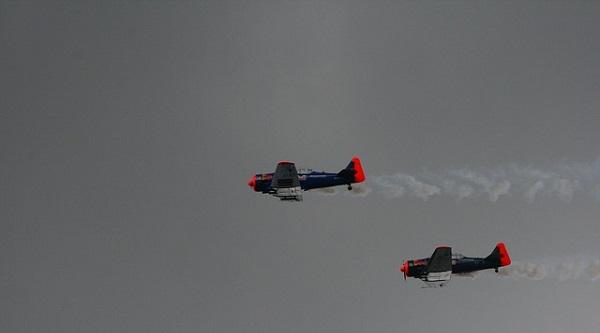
320, 179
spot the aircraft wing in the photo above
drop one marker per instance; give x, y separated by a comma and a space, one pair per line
439, 267
286, 183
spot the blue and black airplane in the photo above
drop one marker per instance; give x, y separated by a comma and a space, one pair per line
286, 183
436, 271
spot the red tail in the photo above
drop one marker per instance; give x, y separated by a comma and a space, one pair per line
504, 257
500, 255
359, 176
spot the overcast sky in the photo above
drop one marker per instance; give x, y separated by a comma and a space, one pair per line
128, 132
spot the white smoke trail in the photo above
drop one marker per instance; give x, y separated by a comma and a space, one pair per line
327, 191
563, 181
562, 269
357, 191
400, 184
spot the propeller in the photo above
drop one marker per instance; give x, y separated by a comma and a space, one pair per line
404, 269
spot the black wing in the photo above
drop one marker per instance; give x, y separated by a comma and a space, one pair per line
439, 267
285, 183
441, 260
285, 176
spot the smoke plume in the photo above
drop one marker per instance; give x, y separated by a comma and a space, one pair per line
561, 269
563, 181
358, 190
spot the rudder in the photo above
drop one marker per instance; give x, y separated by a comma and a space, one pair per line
500, 255
354, 171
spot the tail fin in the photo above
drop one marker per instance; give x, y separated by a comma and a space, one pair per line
499, 255
354, 171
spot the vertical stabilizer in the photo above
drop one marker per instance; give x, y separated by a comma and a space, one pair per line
354, 171
499, 256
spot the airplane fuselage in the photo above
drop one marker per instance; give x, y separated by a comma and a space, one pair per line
308, 181
418, 268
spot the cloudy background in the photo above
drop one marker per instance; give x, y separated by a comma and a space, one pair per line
128, 132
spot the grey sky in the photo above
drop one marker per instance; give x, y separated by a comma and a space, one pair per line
128, 132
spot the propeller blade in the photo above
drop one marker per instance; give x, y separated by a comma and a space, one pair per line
404, 269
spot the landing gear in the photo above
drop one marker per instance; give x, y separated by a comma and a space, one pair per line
349, 187
496, 269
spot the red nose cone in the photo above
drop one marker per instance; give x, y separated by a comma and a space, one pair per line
404, 268
252, 181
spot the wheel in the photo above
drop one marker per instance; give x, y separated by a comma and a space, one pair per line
349, 187
496, 269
